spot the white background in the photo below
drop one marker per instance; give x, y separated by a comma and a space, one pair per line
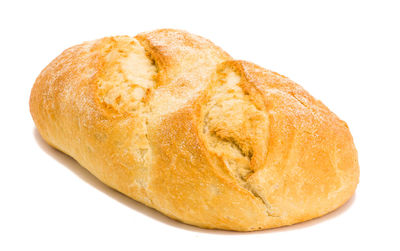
345, 53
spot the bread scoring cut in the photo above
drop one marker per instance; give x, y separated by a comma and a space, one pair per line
128, 74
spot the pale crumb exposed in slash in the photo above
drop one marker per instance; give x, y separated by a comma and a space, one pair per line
129, 74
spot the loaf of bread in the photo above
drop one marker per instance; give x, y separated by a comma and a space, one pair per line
172, 121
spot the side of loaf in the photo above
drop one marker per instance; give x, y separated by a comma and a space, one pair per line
172, 121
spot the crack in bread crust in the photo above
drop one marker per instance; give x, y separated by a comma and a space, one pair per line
125, 89
235, 129
128, 76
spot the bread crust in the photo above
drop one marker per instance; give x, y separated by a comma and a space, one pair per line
208, 140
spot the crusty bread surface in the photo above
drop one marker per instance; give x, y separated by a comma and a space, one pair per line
172, 121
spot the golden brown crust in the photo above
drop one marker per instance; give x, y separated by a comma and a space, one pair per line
174, 122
